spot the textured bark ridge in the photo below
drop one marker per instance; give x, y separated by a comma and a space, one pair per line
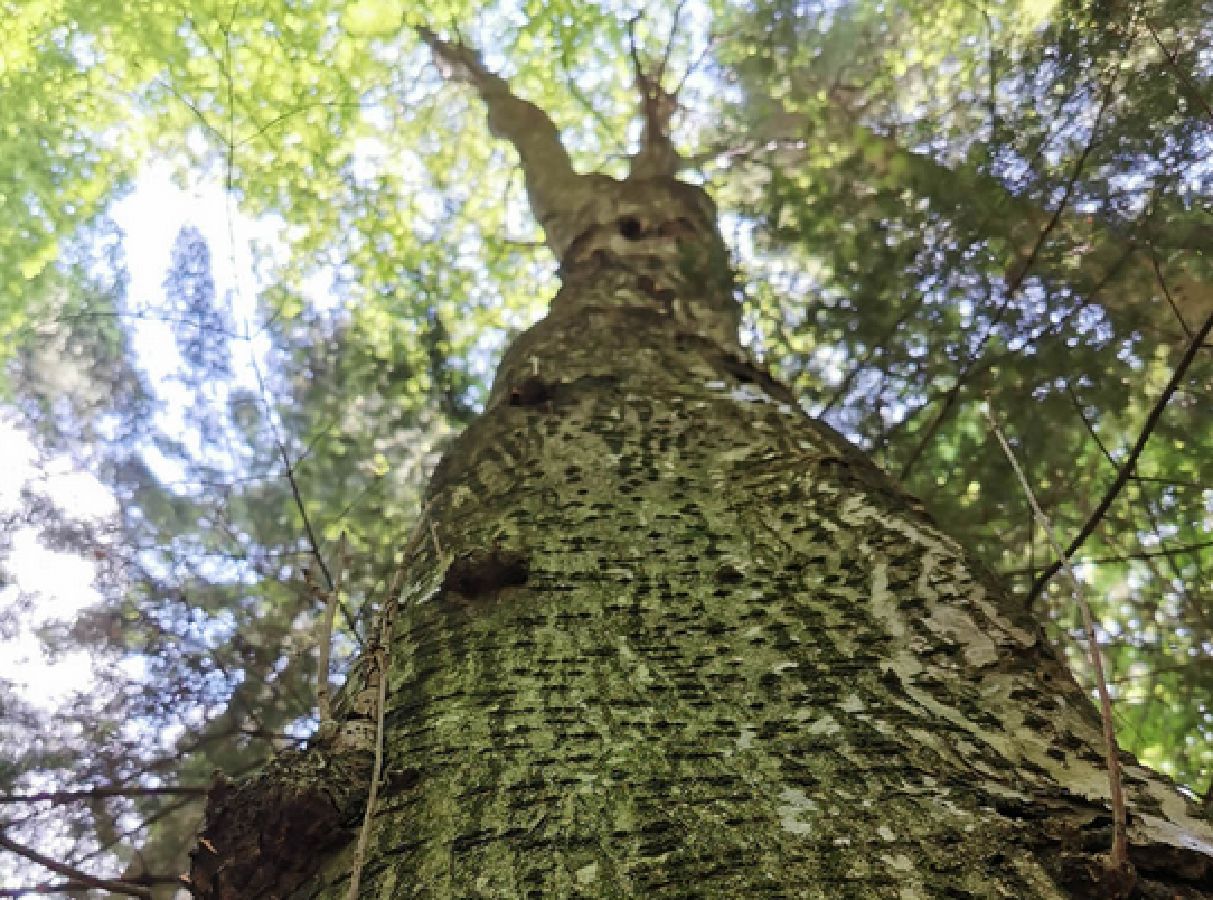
673, 638
684, 641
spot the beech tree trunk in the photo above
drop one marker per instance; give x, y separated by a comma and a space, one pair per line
663, 635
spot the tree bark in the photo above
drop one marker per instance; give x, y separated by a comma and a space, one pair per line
664, 635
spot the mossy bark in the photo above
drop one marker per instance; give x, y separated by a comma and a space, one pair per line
672, 638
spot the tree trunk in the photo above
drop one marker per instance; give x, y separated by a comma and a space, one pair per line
662, 635
670, 637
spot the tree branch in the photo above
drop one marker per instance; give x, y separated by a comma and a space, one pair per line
302, 507
1014, 281
1181, 76
100, 793
1118, 859
546, 165
297, 495
82, 878
656, 157
954, 187
1126, 470
1126, 557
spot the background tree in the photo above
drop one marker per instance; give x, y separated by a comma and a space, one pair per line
944, 203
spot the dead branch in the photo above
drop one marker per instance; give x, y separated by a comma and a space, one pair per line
1126, 469
100, 793
1118, 860
82, 878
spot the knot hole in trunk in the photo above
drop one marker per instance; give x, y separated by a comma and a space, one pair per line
630, 228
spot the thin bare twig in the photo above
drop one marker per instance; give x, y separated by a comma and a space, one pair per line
324, 708
100, 793
1166, 292
299, 504
1126, 469
664, 65
68, 887
91, 881
381, 665
380, 650
297, 495
1125, 557
1180, 75
1119, 857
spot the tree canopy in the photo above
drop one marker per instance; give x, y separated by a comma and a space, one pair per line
937, 207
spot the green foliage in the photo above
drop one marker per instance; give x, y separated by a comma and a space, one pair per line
933, 204
996, 203
60, 128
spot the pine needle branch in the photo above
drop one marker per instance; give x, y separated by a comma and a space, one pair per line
1130, 463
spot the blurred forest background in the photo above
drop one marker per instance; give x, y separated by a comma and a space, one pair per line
933, 204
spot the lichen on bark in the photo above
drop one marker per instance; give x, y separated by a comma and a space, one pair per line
672, 637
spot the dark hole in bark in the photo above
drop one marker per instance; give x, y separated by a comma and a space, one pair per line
403, 779
485, 571
531, 391
629, 227
745, 371
727, 574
